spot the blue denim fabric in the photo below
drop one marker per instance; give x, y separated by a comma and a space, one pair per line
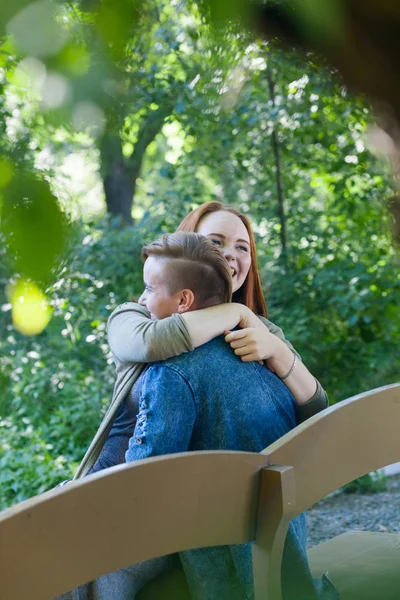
209, 400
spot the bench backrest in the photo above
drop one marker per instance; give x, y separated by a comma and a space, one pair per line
68, 536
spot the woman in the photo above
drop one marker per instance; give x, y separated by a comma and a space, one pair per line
135, 339
232, 231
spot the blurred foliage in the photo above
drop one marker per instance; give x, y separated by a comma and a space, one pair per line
141, 110
371, 483
55, 386
33, 227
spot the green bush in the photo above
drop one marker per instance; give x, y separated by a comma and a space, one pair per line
28, 464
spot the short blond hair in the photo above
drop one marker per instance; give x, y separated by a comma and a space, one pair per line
194, 263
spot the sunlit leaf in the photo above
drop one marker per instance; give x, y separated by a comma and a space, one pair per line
75, 59
30, 309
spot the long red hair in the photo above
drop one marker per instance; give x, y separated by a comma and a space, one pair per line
250, 293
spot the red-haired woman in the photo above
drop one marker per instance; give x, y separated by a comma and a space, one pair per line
135, 339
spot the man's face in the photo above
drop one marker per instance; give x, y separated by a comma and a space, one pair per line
156, 296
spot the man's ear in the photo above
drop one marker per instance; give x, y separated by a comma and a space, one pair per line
186, 301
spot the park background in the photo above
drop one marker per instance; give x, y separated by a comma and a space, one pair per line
116, 119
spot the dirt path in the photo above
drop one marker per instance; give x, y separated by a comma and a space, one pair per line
342, 512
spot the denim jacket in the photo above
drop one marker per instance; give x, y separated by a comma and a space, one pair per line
210, 400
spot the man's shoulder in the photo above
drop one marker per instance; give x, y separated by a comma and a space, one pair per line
210, 356
216, 347
208, 362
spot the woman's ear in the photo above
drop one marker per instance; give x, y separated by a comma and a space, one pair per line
186, 301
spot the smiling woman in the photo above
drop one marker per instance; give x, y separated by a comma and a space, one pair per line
259, 339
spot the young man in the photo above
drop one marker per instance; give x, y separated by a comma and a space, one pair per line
182, 272
207, 399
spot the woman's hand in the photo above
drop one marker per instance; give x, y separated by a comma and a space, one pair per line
253, 343
259, 344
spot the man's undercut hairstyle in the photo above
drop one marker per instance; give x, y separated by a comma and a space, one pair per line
193, 262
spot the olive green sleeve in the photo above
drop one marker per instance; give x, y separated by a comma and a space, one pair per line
279, 334
313, 406
135, 338
319, 401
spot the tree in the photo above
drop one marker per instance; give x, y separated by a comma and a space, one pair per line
158, 68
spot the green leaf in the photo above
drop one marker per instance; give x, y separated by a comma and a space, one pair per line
34, 226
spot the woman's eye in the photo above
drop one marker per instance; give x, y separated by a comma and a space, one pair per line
216, 242
243, 248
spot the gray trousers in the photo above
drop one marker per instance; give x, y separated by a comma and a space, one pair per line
124, 584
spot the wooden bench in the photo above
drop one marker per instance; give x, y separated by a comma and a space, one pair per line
67, 536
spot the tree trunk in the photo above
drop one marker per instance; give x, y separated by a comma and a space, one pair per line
119, 189
121, 173
278, 172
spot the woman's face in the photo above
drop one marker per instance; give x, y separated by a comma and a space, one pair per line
228, 232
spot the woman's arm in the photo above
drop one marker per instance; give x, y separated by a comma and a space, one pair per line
134, 337
262, 340
205, 324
